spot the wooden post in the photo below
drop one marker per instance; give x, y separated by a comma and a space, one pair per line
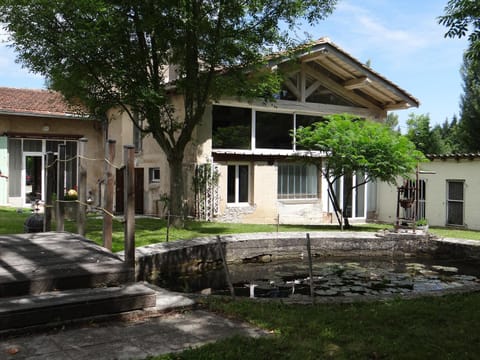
60, 206
108, 195
129, 204
82, 188
225, 266
167, 236
310, 268
47, 220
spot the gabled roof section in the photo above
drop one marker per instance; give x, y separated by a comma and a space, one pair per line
350, 78
44, 103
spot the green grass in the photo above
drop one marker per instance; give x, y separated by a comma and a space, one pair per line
426, 328
153, 230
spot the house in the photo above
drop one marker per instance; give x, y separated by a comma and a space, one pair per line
249, 145
447, 192
32, 123
245, 146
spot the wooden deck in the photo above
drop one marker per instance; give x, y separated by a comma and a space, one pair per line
53, 278
39, 262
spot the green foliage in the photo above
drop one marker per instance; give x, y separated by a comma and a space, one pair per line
110, 54
462, 17
421, 134
470, 106
392, 121
355, 145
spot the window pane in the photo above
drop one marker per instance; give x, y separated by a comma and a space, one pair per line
455, 190
272, 130
71, 165
32, 145
15, 167
455, 213
243, 183
53, 145
306, 120
231, 174
231, 127
297, 181
360, 197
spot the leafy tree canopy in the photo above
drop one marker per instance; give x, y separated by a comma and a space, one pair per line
462, 17
356, 145
117, 52
359, 146
421, 134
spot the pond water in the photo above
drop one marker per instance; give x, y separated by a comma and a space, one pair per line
331, 277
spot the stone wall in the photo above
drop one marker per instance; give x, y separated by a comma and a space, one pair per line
203, 253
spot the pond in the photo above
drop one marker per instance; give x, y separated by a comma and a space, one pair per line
332, 277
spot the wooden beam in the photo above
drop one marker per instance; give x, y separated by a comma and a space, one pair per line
291, 86
311, 89
341, 91
357, 83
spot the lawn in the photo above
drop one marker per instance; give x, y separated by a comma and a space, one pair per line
154, 230
427, 328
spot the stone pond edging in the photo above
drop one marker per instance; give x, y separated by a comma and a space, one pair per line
203, 253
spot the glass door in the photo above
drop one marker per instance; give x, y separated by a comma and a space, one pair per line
32, 177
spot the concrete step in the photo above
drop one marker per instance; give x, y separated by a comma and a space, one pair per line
31, 280
61, 306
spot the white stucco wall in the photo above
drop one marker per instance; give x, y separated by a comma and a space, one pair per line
436, 192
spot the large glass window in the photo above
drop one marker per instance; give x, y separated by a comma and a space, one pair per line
272, 130
237, 184
231, 127
304, 121
351, 195
15, 167
297, 181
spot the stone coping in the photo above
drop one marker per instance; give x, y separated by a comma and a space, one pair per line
151, 259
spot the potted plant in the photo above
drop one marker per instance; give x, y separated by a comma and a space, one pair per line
422, 224
406, 203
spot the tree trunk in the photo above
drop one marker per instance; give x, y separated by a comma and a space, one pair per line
177, 195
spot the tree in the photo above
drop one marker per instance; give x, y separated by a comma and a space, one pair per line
462, 17
420, 133
356, 146
451, 135
470, 105
115, 54
392, 122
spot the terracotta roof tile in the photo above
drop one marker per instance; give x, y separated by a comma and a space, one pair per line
36, 102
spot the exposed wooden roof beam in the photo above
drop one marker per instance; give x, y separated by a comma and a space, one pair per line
357, 83
340, 90
398, 105
311, 89
291, 86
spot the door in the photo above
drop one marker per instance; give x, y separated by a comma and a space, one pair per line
32, 177
139, 191
455, 193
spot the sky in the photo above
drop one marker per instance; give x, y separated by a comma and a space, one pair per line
402, 40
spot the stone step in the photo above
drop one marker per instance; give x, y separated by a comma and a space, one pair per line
62, 306
31, 280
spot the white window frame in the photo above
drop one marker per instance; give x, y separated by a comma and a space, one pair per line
237, 185
152, 175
